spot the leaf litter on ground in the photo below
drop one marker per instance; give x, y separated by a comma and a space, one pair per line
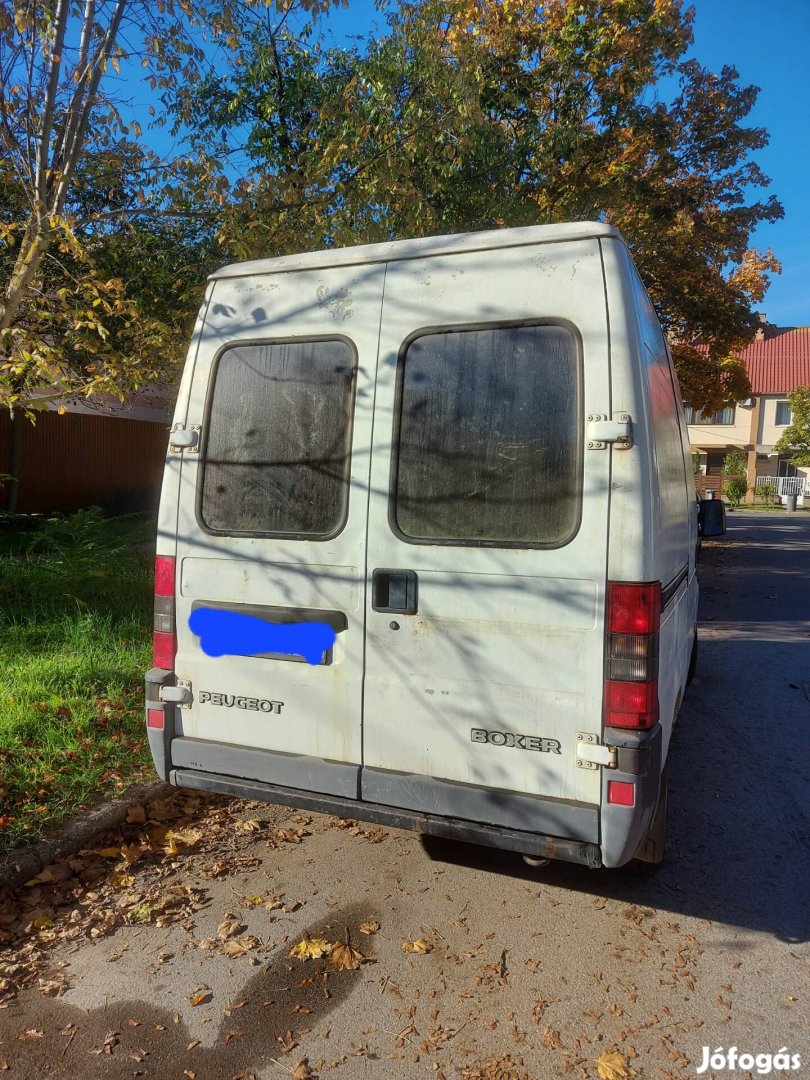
91, 894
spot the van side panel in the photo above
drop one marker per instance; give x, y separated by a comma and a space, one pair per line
634, 529
651, 536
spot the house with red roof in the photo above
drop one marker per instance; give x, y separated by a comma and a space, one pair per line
776, 363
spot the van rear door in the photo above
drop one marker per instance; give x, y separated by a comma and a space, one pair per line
272, 520
487, 546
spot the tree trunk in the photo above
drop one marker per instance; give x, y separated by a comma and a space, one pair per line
14, 451
36, 241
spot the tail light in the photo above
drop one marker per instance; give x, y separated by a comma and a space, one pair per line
631, 655
164, 636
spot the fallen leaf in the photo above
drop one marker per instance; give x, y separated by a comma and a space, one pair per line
613, 1066
192, 1044
131, 853
239, 946
291, 836
121, 881
416, 945
248, 826
302, 1071
551, 1041
136, 815
200, 998
311, 949
344, 956
52, 987
31, 1033
229, 926
375, 836
110, 1040
370, 927
110, 852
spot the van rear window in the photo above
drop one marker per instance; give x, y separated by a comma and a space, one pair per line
276, 456
489, 437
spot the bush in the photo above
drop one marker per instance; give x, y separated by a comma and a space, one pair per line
735, 492
766, 493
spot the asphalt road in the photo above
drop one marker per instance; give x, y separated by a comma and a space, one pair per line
530, 973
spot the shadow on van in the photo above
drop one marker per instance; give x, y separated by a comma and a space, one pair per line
738, 836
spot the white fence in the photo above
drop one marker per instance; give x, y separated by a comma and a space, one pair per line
785, 485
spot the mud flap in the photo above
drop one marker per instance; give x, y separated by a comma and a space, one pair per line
625, 829
655, 845
160, 739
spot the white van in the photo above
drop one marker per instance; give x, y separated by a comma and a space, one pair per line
464, 458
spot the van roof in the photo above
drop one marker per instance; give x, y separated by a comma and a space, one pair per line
416, 249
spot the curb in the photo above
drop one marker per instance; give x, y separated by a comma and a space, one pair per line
75, 834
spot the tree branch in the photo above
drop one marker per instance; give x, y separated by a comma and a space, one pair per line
80, 125
55, 67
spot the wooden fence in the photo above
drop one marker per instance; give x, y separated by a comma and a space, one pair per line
71, 461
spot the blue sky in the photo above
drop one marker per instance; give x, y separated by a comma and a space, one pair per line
769, 45
768, 42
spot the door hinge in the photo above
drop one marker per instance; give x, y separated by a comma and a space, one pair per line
602, 430
591, 755
185, 438
179, 694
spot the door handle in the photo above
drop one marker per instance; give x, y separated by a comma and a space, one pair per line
395, 591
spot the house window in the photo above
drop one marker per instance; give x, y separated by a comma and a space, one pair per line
724, 416
783, 417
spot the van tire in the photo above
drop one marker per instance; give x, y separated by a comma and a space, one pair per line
693, 659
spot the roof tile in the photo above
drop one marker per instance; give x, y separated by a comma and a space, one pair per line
780, 362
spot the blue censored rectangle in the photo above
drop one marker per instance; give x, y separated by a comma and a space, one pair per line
229, 633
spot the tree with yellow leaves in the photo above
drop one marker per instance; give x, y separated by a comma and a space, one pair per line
474, 114
82, 198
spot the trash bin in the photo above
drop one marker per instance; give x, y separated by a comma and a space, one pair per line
712, 517
790, 502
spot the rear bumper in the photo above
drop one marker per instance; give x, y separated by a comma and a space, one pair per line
524, 843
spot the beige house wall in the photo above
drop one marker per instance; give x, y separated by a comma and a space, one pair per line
719, 436
754, 430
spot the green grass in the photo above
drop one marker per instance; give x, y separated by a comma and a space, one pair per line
75, 632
